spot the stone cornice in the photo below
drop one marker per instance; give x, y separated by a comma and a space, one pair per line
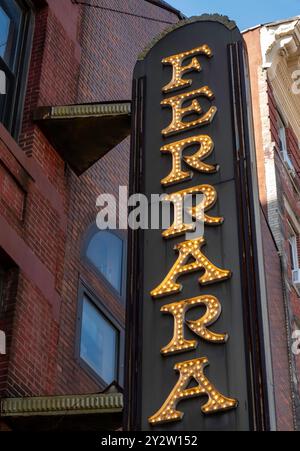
279, 40
84, 110
58, 405
286, 100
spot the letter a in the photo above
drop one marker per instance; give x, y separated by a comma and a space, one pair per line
193, 369
187, 250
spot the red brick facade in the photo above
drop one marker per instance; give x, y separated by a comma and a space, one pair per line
288, 188
79, 55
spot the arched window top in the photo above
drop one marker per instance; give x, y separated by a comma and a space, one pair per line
105, 250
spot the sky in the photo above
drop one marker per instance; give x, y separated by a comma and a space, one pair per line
246, 13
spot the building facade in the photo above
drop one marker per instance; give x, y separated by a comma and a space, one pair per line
62, 280
273, 51
65, 89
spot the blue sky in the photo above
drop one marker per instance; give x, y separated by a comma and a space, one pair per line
246, 13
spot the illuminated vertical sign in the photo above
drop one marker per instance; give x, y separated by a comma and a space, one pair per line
193, 323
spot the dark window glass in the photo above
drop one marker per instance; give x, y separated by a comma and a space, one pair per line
283, 147
15, 20
105, 251
99, 342
1, 287
294, 252
4, 31
10, 27
291, 256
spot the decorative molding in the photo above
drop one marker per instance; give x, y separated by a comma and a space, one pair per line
287, 102
58, 405
104, 109
224, 20
84, 110
280, 44
279, 40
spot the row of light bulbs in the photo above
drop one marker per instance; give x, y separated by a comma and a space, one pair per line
193, 369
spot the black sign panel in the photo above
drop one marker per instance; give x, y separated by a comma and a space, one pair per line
195, 362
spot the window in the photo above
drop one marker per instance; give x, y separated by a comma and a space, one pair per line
105, 250
1, 287
2, 333
294, 253
283, 143
15, 27
294, 259
101, 340
10, 21
8, 282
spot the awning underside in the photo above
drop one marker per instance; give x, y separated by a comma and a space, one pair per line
82, 134
93, 412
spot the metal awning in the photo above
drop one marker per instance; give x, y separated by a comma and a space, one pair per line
82, 134
93, 412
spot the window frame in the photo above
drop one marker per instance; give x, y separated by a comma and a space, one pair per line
92, 230
2, 275
283, 139
12, 116
86, 291
293, 243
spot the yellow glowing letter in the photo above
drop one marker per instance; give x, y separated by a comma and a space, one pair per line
210, 198
179, 309
188, 371
179, 112
187, 250
178, 70
206, 146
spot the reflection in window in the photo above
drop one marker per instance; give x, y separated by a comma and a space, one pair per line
105, 251
15, 30
10, 23
283, 143
4, 32
294, 252
99, 342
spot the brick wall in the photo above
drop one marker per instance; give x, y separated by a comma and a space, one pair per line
110, 44
288, 213
277, 320
9, 287
30, 236
11, 194
78, 55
